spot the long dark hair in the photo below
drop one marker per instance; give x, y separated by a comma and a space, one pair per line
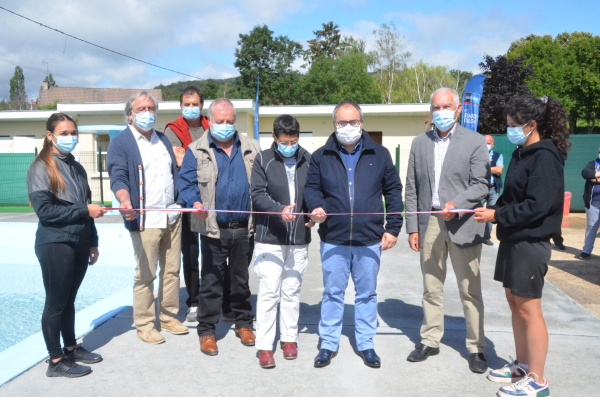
56, 180
549, 115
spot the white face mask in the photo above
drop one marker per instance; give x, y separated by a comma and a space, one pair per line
489, 147
348, 135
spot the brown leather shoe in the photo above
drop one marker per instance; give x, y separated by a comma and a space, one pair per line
290, 352
265, 359
246, 336
208, 345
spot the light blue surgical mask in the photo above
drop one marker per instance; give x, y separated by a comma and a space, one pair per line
144, 121
222, 132
489, 148
287, 150
444, 119
515, 135
66, 143
191, 113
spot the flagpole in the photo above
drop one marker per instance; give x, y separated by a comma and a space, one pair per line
256, 135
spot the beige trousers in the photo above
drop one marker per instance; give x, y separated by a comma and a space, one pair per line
465, 262
153, 248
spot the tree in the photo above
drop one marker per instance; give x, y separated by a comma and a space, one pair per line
330, 81
416, 82
18, 96
50, 80
259, 51
325, 44
390, 58
505, 80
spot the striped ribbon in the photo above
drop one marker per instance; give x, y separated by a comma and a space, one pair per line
454, 210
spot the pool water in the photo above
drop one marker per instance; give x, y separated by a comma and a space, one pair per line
22, 296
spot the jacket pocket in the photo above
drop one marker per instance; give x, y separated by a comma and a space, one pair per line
204, 170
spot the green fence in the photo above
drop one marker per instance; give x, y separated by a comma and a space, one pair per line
13, 172
583, 150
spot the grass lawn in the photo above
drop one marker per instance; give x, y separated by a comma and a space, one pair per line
15, 209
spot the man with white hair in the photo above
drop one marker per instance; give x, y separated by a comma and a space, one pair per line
448, 169
142, 169
215, 174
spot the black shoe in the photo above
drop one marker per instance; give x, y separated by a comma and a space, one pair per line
422, 352
477, 363
560, 246
583, 256
66, 368
370, 358
488, 242
81, 355
324, 357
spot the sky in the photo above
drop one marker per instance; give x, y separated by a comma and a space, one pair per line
199, 38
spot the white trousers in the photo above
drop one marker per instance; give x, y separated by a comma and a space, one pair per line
279, 270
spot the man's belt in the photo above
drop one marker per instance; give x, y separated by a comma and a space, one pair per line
233, 225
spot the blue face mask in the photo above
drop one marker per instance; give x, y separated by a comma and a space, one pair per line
222, 132
287, 151
66, 143
444, 119
515, 135
191, 113
144, 121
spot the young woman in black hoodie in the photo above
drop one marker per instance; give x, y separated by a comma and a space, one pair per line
528, 214
66, 241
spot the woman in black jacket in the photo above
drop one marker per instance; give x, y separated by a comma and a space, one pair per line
528, 214
66, 241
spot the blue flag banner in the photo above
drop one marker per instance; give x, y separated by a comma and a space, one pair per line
256, 135
471, 100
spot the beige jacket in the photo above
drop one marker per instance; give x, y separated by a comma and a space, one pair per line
208, 173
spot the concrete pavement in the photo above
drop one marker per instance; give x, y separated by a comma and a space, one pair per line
177, 367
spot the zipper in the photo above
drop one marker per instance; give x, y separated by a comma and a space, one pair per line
351, 201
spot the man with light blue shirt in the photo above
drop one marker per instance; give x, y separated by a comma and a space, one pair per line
351, 173
215, 174
497, 165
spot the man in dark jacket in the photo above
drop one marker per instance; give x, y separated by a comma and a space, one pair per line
591, 198
281, 249
350, 174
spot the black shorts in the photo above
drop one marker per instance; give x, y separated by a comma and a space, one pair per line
521, 267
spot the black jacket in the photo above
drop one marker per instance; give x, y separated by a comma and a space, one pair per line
375, 177
531, 206
269, 189
63, 218
589, 173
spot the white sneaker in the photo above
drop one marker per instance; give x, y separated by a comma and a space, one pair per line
192, 315
526, 387
511, 372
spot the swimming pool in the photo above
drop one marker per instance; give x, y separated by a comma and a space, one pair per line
105, 290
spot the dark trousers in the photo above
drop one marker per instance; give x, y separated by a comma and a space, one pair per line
231, 253
190, 250
63, 268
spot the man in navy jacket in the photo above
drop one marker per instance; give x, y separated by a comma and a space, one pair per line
351, 174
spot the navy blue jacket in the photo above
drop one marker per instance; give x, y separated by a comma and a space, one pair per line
497, 179
375, 178
123, 160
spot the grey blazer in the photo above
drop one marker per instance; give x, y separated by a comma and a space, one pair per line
464, 181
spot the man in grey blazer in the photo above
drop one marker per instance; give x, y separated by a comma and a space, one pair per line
448, 168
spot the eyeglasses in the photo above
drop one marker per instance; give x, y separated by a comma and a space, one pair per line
150, 109
343, 123
288, 143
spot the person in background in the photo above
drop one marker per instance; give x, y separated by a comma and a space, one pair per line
497, 165
351, 173
591, 199
281, 249
528, 213
142, 169
181, 133
215, 174
66, 242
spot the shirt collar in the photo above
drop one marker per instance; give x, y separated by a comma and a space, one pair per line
356, 149
213, 144
138, 136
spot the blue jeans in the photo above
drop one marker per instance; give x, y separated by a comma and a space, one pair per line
338, 262
593, 221
491, 199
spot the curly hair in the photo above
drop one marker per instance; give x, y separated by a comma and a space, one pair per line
549, 115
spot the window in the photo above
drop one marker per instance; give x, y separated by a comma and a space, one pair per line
24, 144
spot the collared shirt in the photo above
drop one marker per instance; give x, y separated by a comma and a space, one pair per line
290, 170
232, 191
158, 186
440, 147
350, 160
499, 163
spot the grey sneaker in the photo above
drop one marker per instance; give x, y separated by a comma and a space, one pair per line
66, 368
81, 355
192, 315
